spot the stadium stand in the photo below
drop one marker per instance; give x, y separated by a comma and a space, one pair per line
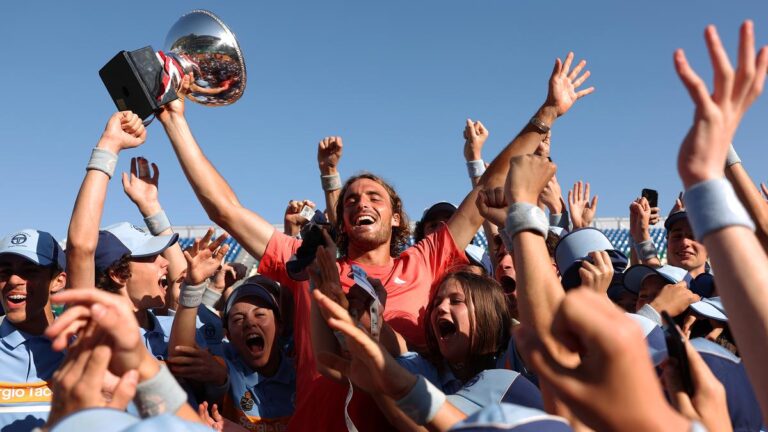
616, 229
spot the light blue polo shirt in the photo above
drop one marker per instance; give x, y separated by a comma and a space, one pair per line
26, 364
491, 386
211, 329
256, 402
156, 340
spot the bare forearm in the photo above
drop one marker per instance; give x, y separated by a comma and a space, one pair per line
213, 192
209, 186
539, 292
524, 143
83, 234
740, 262
467, 219
183, 329
323, 340
750, 197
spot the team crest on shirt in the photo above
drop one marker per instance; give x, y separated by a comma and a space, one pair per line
246, 402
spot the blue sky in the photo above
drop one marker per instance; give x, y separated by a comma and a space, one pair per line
396, 79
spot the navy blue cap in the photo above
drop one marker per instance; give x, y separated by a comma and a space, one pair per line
703, 285
37, 246
254, 286
673, 218
442, 206
116, 241
510, 417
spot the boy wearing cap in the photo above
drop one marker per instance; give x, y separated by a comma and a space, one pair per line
129, 262
659, 289
31, 266
682, 249
258, 390
122, 259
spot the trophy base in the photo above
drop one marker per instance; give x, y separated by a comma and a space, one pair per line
133, 80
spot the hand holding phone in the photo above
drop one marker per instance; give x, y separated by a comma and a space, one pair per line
652, 196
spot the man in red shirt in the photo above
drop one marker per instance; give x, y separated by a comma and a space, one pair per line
373, 227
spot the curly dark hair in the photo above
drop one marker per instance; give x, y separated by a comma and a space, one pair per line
400, 234
120, 268
490, 325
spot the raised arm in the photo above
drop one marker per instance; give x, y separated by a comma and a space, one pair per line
475, 135
328, 156
539, 292
562, 94
185, 358
582, 209
749, 196
716, 216
124, 130
141, 186
202, 260
213, 192
643, 250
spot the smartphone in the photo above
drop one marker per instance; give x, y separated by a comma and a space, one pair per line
676, 349
652, 196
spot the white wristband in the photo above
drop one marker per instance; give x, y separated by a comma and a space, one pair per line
157, 223
191, 296
102, 160
645, 250
211, 297
526, 217
330, 182
476, 168
159, 395
732, 158
713, 205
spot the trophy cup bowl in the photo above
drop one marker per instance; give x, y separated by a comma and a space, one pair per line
205, 46
143, 80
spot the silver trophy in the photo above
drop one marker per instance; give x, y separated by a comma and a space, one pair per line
199, 43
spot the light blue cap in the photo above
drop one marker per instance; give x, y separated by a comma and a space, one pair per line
654, 338
711, 308
577, 245
139, 241
37, 246
109, 419
634, 276
510, 417
478, 255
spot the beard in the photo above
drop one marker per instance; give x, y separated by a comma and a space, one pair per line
368, 241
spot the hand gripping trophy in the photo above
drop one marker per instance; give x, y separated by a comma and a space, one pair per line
143, 81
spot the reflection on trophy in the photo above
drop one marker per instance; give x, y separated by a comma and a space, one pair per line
199, 42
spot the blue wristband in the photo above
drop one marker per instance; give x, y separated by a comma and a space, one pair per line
423, 402
713, 205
